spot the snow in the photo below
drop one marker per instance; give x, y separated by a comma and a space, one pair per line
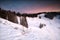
12, 31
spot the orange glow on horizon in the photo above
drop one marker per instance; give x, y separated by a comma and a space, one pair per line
49, 8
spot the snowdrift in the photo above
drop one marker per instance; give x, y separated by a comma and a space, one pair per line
12, 31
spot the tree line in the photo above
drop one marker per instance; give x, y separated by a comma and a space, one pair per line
12, 16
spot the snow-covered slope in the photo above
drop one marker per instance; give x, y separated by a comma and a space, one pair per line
12, 31
9, 30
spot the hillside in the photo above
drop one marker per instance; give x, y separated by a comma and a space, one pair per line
13, 31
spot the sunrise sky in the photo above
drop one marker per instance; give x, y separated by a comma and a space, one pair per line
30, 6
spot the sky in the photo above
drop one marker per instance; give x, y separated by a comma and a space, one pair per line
30, 6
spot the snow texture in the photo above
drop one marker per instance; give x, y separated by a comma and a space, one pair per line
12, 31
